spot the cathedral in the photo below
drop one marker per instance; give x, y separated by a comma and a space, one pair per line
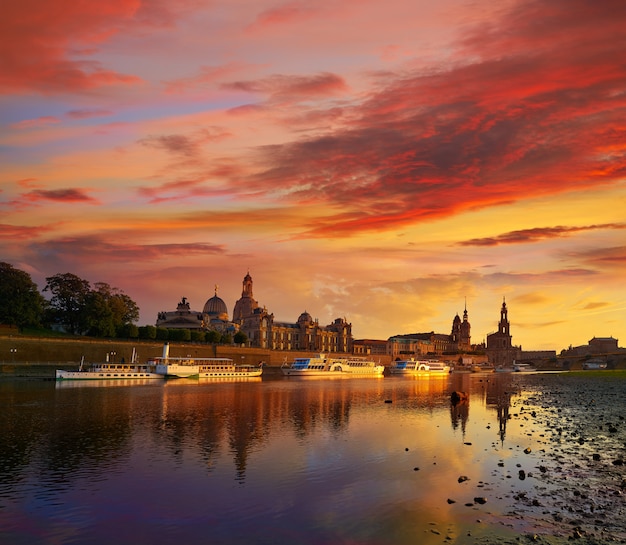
259, 326
263, 331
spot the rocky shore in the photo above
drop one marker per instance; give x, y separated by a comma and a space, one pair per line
576, 470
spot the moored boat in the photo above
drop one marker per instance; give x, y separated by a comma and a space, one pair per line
412, 367
111, 371
524, 368
594, 364
189, 367
323, 366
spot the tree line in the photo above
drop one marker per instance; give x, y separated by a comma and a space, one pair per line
79, 308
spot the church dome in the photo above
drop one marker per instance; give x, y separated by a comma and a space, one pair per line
215, 306
305, 317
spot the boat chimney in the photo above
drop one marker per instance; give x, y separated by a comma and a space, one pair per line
166, 351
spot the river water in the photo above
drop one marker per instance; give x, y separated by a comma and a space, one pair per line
311, 462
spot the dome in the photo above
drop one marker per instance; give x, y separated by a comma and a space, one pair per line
305, 317
215, 306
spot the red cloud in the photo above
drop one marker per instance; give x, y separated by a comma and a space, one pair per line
19, 232
38, 37
512, 123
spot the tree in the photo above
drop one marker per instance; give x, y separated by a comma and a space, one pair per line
240, 338
21, 304
213, 336
109, 310
68, 304
147, 332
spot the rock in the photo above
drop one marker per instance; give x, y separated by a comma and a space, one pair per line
481, 500
463, 478
522, 474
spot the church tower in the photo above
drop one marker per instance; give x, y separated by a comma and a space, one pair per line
246, 305
500, 350
465, 337
504, 326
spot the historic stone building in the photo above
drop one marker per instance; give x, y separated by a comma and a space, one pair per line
181, 318
263, 331
500, 349
214, 317
422, 344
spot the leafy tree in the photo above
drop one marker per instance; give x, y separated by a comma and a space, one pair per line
162, 334
198, 336
128, 331
213, 336
147, 332
99, 315
226, 338
68, 304
240, 338
179, 334
21, 304
109, 309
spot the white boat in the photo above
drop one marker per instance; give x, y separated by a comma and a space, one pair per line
594, 364
111, 371
418, 367
187, 367
524, 368
323, 366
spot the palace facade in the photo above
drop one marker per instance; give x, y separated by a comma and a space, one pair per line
260, 326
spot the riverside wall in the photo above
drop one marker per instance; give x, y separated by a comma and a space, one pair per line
23, 356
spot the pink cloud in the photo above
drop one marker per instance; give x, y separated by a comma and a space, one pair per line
283, 14
35, 123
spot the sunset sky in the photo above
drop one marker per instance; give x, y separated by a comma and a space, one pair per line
382, 161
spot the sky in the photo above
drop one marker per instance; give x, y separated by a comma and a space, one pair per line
389, 162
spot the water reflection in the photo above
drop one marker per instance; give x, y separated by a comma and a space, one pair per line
188, 457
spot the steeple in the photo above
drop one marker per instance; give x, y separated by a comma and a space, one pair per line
504, 321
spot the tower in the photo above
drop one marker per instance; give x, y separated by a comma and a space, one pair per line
504, 326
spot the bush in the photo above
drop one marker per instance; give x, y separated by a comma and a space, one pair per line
147, 332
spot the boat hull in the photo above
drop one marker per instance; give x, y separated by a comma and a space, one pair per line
105, 375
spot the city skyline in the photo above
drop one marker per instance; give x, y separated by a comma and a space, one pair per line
388, 163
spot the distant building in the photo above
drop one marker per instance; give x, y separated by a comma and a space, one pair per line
263, 331
422, 344
181, 318
597, 345
214, 317
500, 350
369, 347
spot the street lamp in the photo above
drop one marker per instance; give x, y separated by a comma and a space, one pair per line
112, 356
13, 352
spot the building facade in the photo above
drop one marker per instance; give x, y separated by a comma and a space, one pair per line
500, 350
263, 331
422, 344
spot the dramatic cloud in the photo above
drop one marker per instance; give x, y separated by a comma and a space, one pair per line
88, 247
537, 233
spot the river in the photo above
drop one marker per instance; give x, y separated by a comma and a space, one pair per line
380, 461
